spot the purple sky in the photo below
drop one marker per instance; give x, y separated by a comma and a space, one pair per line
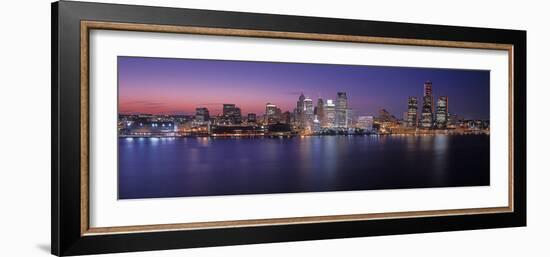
178, 86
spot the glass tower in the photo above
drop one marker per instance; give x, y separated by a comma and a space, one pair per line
342, 110
412, 112
427, 107
442, 112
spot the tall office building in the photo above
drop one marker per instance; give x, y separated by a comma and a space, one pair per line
316, 127
412, 112
350, 114
300, 108
308, 112
428, 88
228, 109
237, 116
320, 112
202, 115
272, 113
329, 114
442, 112
342, 110
427, 106
231, 114
228, 113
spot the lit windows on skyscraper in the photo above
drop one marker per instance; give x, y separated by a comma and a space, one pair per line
231, 114
342, 110
412, 112
308, 112
202, 114
427, 106
442, 112
330, 114
320, 110
272, 113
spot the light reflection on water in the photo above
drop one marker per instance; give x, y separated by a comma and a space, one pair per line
168, 167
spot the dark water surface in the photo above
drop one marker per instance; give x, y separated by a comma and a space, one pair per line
175, 167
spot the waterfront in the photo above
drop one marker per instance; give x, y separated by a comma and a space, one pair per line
206, 166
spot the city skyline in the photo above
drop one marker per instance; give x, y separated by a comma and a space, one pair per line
179, 86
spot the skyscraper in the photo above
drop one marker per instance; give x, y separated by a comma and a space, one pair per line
228, 109
412, 112
350, 114
427, 106
428, 88
202, 115
300, 108
320, 111
330, 114
316, 127
272, 113
442, 112
342, 110
231, 114
237, 116
308, 112
228, 113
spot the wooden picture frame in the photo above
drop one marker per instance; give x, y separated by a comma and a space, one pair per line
71, 25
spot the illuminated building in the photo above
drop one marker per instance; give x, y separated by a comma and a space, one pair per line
341, 110
412, 112
202, 115
300, 108
316, 125
365, 122
442, 112
231, 114
329, 115
320, 112
427, 107
272, 113
144, 127
308, 112
308, 106
349, 116
237, 116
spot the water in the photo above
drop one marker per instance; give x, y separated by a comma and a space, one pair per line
176, 167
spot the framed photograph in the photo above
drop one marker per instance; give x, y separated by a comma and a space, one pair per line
178, 128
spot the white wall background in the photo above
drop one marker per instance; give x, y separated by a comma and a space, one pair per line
25, 143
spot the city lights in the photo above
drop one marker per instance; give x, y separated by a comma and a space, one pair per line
324, 118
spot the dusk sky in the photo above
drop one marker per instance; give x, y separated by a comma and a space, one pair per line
178, 86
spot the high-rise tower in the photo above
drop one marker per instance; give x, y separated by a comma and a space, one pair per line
442, 112
412, 112
342, 110
427, 106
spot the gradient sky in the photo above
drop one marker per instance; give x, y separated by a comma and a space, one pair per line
178, 86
